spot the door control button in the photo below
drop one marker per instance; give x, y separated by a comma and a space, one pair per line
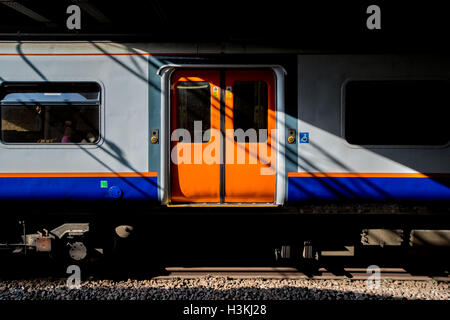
292, 133
155, 136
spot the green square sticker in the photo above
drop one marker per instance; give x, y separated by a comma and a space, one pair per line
103, 184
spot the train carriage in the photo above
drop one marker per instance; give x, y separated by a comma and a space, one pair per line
250, 131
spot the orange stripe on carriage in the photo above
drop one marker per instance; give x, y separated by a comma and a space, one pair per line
367, 175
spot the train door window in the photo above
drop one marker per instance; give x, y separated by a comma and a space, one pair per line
250, 102
50, 112
194, 109
397, 112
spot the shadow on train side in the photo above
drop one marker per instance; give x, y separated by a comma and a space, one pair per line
360, 188
431, 188
291, 158
28, 62
115, 152
336, 190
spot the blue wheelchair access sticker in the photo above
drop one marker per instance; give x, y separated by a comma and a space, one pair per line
304, 137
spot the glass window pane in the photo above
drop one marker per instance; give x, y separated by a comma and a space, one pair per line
50, 124
194, 104
50, 112
250, 107
397, 112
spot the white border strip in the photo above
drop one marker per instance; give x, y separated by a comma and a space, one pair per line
166, 71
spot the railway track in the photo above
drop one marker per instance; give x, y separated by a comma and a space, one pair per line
236, 283
293, 273
336, 281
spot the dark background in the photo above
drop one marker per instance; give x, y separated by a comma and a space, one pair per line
306, 25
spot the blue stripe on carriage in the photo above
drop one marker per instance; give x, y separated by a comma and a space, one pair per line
368, 188
78, 188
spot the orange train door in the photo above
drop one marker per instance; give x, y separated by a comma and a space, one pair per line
250, 138
222, 131
195, 109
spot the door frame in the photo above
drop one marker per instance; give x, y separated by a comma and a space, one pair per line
166, 72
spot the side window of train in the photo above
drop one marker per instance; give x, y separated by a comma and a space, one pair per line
50, 112
194, 106
250, 105
397, 112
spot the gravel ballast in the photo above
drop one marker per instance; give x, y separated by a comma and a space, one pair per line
219, 288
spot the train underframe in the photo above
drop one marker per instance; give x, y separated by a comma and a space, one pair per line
83, 232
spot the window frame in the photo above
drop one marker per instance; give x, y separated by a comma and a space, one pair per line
382, 146
70, 145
